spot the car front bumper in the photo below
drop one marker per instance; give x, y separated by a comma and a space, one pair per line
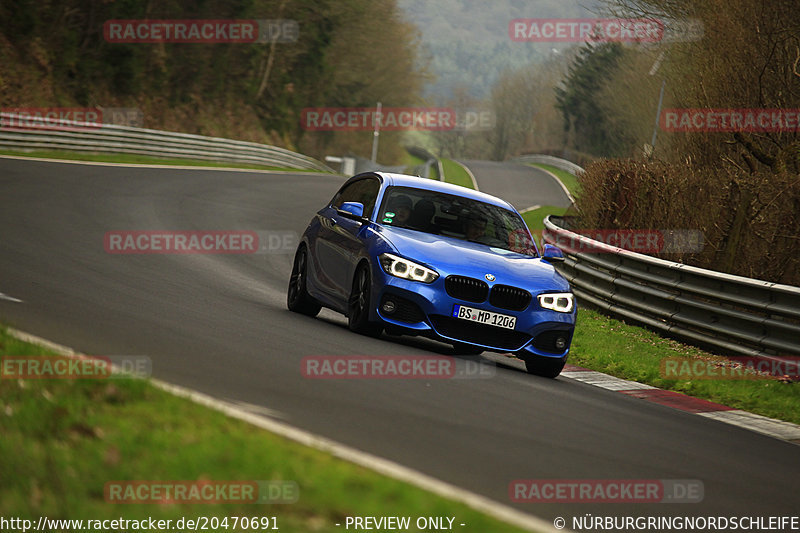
427, 309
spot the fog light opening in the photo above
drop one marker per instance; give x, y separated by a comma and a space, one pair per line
388, 307
561, 343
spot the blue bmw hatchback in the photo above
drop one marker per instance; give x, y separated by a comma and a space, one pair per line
420, 257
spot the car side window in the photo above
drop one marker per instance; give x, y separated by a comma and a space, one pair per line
364, 191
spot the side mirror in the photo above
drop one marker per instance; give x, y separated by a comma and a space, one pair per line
352, 210
553, 254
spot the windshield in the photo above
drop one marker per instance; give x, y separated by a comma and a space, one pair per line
457, 217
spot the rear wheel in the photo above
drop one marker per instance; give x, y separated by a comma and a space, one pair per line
546, 367
358, 305
297, 297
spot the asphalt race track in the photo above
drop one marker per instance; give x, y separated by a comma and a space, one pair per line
522, 185
219, 324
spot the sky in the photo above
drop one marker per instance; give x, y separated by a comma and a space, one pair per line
469, 44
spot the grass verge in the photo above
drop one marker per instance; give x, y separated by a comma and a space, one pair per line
456, 174
631, 352
412, 163
141, 160
569, 180
535, 217
64, 439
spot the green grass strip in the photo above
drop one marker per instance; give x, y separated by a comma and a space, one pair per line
63, 440
631, 352
635, 353
535, 217
412, 163
456, 174
569, 180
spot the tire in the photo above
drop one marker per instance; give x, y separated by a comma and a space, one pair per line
546, 367
462, 348
297, 297
358, 304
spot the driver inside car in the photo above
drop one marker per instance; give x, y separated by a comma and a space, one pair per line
476, 229
398, 211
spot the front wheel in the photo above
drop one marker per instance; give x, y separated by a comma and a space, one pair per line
297, 297
546, 367
358, 305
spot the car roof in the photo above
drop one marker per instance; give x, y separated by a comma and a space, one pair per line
404, 180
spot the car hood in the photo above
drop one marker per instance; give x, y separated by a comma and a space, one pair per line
449, 255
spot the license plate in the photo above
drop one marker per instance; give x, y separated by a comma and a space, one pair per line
484, 317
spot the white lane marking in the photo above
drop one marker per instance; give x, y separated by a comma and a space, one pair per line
761, 424
531, 208
471, 175
9, 298
378, 464
256, 409
598, 379
558, 180
778, 429
175, 167
33, 339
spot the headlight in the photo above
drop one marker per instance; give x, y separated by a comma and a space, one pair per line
563, 302
403, 268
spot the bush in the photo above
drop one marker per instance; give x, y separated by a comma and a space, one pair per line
750, 221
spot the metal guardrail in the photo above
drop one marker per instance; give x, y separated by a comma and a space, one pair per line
39, 134
424, 170
734, 314
557, 162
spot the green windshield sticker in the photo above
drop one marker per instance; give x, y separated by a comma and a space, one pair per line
388, 214
387, 220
